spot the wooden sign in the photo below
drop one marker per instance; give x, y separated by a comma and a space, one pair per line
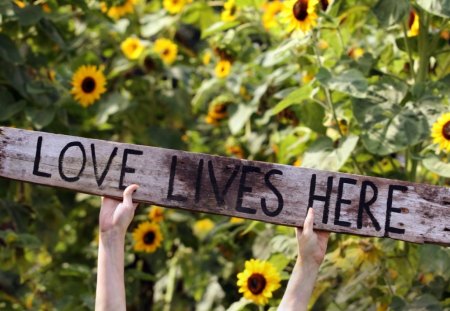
273, 193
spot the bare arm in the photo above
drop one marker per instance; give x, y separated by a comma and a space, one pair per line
115, 217
312, 246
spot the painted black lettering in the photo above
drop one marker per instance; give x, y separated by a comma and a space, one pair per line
221, 195
243, 188
170, 195
365, 205
390, 209
198, 183
340, 201
37, 160
61, 161
275, 191
126, 169
326, 198
108, 164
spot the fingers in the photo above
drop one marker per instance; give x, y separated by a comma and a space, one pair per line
309, 221
298, 231
128, 194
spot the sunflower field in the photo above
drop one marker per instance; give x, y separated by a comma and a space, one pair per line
356, 86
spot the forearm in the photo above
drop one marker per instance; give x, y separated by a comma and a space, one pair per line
110, 294
300, 287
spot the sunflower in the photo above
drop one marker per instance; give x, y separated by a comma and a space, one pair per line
324, 4
20, 4
441, 132
230, 11
300, 14
235, 150
175, 6
206, 59
88, 84
147, 237
166, 49
203, 227
356, 53
156, 213
258, 281
117, 11
413, 24
236, 220
132, 47
271, 9
223, 68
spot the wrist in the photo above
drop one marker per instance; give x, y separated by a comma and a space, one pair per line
307, 265
112, 238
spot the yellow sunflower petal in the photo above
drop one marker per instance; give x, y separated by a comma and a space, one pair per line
166, 49
132, 48
440, 132
299, 15
258, 281
147, 237
88, 84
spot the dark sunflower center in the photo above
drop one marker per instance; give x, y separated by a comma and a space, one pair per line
256, 283
324, 4
149, 237
446, 130
166, 52
233, 10
220, 108
412, 17
88, 85
300, 10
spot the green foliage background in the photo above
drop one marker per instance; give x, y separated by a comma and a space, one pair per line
385, 101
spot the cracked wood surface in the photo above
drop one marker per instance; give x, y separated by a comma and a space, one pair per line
273, 193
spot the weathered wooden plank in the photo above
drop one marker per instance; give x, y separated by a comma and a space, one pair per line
267, 192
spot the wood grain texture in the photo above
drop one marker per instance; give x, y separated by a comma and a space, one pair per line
273, 193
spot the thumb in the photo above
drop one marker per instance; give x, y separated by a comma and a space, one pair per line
128, 195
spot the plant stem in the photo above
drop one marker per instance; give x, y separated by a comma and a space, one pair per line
329, 102
408, 49
424, 47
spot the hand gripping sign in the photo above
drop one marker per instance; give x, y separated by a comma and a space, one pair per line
273, 193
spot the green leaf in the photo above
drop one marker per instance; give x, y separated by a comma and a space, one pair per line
351, 82
8, 105
436, 7
278, 55
51, 30
205, 93
435, 165
322, 154
218, 27
8, 50
154, 23
240, 117
295, 97
312, 115
40, 117
389, 12
29, 15
247, 3
279, 261
387, 124
112, 104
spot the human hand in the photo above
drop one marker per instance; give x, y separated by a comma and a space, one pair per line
312, 244
116, 216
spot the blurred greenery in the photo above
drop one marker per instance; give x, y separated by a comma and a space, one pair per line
358, 92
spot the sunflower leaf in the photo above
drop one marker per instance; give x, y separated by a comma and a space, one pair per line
389, 12
435, 165
436, 7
